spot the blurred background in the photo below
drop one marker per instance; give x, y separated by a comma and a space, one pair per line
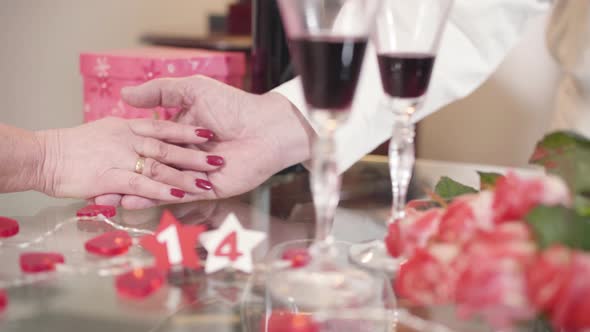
41, 86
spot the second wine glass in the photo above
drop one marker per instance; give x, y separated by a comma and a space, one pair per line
407, 35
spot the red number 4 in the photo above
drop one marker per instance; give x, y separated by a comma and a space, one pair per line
228, 247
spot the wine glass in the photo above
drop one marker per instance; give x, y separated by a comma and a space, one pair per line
406, 36
327, 41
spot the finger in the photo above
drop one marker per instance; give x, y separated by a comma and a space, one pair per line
108, 199
131, 202
126, 182
165, 92
183, 158
135, 202
165, 174
170, 131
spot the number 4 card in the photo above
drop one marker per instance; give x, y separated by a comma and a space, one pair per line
230, 246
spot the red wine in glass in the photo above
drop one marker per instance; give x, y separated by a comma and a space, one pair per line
329, 69
405, 75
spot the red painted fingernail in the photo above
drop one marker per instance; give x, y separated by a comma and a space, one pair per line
177, 193
215, 160
205, 133
203, 184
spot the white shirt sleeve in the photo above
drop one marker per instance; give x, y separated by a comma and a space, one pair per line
477, 37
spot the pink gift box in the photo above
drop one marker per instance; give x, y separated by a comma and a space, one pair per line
106, 73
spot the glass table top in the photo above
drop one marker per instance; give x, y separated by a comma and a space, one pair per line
83, 297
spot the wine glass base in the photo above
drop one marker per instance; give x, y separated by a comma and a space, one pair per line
374, 255
313, 288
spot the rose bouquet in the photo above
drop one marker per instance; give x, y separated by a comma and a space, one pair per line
514, 252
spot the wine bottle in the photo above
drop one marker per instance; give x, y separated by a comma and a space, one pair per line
271, 62
270, 54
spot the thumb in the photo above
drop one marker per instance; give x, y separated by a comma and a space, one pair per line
165, 92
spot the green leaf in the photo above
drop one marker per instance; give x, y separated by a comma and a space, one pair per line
582, 204
448, 188
567, 155
540, 324
560, 225
487, 180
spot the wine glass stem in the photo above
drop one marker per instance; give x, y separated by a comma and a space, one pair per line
401, 162
325, 186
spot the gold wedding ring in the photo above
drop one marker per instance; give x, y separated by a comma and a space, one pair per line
139, 164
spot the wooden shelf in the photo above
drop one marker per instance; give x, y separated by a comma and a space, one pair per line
212, 42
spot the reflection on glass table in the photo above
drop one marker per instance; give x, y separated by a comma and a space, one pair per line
269, 304
282, 207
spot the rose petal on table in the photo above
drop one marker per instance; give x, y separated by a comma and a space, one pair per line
3, 300
33, 262
94, 210
139, 283
8, 227
109, 244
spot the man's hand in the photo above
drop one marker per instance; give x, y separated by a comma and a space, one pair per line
257, 135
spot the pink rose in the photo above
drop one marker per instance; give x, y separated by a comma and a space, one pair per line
559, 286
424, 279
491, 280
464, 216
515, 195
414, 231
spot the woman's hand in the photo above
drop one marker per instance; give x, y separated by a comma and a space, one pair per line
258, 135
102, 157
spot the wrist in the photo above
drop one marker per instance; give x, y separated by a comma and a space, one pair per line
291, 130
44, 167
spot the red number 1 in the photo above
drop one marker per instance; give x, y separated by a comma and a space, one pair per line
228, 247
